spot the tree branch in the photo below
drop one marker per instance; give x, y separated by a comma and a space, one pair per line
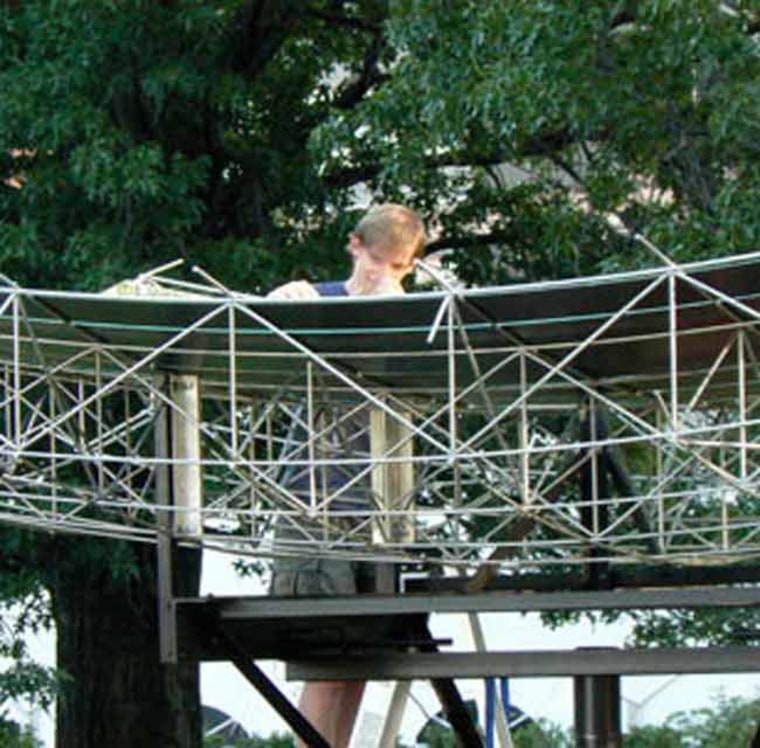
623, 16
750, 19
544, 145
355, 90
334, 18
568, 168
264, 25
465, 242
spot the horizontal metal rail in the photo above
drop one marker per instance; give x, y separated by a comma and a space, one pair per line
535, 664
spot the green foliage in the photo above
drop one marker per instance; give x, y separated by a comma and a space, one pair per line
650, 736
730, 722
24, 609
671, 628
275, 740
539, 734
143, 132
542, 734
13, 735
713, 626
24, 678
615, 106
439, 736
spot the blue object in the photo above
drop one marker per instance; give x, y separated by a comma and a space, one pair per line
491, 707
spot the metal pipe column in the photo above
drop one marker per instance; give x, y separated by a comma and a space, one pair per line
597, 711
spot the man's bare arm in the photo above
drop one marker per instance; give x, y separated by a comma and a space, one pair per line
294, 291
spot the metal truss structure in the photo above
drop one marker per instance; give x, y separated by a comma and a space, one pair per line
607, 419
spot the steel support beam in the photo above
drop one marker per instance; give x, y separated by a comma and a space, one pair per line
241, 608
167, 619
450, 698
620, 577
279, 702
552, 663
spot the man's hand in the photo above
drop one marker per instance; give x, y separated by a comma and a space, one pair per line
295, 291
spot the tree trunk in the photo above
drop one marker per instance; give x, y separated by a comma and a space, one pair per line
116, 692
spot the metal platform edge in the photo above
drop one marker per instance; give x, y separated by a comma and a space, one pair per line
535, 664
263, 607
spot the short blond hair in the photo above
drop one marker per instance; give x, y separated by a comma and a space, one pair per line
390, 225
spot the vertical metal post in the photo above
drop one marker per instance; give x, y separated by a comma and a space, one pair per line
673, 340
187, 480
128, 437
378, 445
594, 488
233, 383
393, 486
742, 437
389, 735
99, 424
167, 623
16, 434
725, 535
594, 452
452, 376
392, 480
311, 435
742, 382
524, 431
253, 506
451, 319
490, 684
659, 477
179, 490
8, 409
597, 711
53, 454
269, 436
81, 423
502, 726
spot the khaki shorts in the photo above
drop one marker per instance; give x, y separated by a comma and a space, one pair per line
318, 577
321, 577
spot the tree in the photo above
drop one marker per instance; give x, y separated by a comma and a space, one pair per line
237, 133
650, 736
145, 131
648, 109
275, 740
25, 610
14, 736
729, 722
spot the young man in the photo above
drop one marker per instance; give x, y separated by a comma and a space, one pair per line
383, 247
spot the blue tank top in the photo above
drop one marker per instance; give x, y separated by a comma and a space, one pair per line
331, 288
347, 438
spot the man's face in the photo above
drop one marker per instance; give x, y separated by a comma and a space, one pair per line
379, 270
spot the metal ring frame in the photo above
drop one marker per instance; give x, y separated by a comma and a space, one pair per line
631, 434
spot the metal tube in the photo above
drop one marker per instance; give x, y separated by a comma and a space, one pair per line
597, 711
673, 344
